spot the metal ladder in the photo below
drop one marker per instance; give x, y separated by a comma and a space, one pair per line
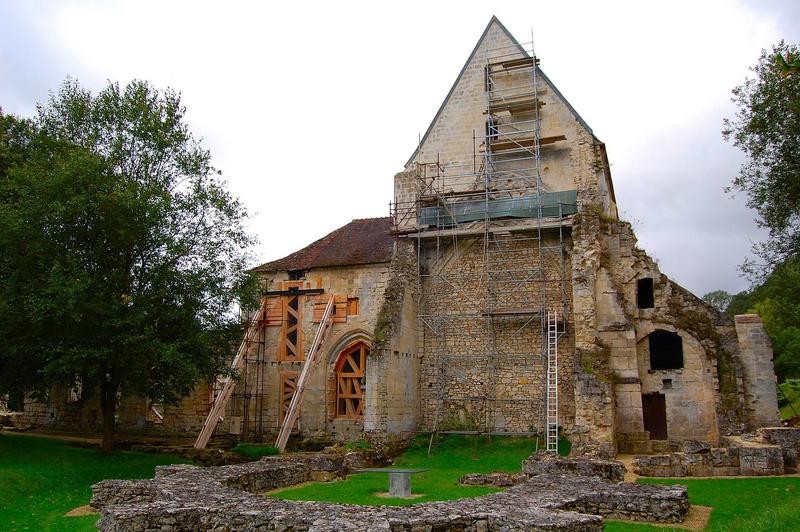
311, 361
229, 383
552, 381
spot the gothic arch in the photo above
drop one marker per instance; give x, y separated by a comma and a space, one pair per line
350, 368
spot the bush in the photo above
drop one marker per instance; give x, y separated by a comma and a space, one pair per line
254, 450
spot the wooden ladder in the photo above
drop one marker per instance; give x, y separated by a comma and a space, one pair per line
552, 382
311, 361
229, 383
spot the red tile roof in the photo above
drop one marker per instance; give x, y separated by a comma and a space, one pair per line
365, 241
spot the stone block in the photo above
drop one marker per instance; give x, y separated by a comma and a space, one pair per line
694, 446
761, 460
543, 463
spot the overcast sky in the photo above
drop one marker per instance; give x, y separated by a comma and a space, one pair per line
309, 109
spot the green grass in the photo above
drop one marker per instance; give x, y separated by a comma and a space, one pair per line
42, 478
254, 451
788, 413
740, 504
451, 458
360, 444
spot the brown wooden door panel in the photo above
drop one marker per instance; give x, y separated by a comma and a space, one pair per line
654, 413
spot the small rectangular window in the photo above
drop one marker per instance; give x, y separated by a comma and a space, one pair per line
296, 275
352, 306
644, 293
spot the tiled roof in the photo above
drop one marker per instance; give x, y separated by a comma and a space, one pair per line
365, 241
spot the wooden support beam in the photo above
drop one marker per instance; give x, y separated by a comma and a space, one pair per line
308, 366
218, 407
295, 292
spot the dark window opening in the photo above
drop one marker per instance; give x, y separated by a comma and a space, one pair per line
296, 275
644, 293
666, 350
666, 384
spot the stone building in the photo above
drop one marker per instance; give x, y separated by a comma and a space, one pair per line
502, 295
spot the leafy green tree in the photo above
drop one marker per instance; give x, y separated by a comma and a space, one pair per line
123, 253
777, 301
767, 129
719, 299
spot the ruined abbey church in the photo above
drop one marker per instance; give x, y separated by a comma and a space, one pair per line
502, 295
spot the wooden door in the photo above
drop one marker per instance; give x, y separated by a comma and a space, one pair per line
654, 412
350, 375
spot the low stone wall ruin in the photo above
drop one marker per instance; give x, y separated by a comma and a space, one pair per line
770, 451
184, 497
543, 463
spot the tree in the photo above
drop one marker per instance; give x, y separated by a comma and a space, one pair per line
124, 255
719, 299
767, 129
777, 301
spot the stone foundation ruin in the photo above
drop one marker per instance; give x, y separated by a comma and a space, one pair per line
770, 451
184, 497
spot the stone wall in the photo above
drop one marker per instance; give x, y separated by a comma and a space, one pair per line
462, 387
457, 131
58, 412
771, 451
544, 463
393, 368
185, 497
705, 398
788, 439
758, 373
317, 414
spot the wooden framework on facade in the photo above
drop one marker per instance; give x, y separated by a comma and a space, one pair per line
350, 381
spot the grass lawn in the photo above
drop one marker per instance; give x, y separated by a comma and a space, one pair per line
43, 478
790, 410
740, 504
453, 457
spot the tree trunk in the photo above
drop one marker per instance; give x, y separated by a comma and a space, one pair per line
108, 402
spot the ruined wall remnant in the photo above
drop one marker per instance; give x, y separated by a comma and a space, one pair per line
186, 497
758, 373
393, 366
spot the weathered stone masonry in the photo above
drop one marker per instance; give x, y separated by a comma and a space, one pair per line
189, 498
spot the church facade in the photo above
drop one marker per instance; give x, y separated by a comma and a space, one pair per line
503, 295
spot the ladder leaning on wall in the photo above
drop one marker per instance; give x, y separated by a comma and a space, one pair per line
552, 381
221, 401
310, 363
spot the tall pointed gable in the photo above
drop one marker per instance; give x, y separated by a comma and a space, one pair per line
460, 117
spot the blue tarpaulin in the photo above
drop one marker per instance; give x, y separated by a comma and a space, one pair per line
551, 205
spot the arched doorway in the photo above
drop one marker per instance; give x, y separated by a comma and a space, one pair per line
350, 381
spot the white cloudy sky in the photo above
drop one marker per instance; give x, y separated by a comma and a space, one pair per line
310, 108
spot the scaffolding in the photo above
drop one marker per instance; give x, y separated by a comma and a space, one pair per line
253, 334
250, 393
491, 262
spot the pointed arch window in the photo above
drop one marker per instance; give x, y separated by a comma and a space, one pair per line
351, 382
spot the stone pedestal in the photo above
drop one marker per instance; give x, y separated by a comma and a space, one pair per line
400, 484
